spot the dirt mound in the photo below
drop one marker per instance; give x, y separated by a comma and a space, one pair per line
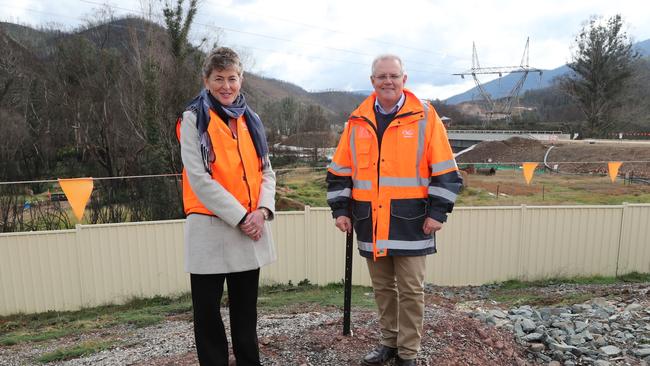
596, 155
450, 338
514, 149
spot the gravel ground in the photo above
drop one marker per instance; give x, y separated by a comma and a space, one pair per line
460, 329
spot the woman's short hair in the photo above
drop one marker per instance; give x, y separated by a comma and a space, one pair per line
220, 59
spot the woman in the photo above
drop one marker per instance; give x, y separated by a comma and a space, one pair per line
228, 196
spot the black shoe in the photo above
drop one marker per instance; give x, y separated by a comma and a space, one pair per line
379, 356
402, 362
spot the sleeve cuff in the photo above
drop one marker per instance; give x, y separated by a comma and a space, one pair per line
340, 212
437, 215
243, 219
271, 213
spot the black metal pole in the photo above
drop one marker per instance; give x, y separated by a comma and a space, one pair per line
347, 292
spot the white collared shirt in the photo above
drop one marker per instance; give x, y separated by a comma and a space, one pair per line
395, 108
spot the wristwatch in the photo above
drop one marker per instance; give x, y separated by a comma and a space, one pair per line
266, 213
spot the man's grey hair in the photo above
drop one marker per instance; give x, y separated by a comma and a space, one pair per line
387, 56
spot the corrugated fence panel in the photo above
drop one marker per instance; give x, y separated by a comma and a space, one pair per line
326, 252
326, 257
476, 246
570, 241
289, 235
122, 261
634, 255
39, 272
310, 247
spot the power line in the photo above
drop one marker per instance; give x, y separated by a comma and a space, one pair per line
270, 36
266, 16
335, 60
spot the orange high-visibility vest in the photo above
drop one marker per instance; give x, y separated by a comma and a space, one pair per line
236, 166
389, 193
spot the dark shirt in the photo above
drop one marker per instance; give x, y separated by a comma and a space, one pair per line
383, 120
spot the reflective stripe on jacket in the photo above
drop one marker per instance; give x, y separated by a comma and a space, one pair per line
389, 193
236, 166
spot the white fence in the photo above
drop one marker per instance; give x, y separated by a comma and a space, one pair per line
100, 264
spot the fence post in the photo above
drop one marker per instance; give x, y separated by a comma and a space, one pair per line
620, 238
523, 248
83, 297
311, 252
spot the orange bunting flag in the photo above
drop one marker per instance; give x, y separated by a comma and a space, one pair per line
78, 191
529, 169
613, 166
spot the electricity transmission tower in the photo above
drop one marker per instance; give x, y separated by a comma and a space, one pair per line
500, 108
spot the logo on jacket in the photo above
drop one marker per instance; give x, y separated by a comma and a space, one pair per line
407, 134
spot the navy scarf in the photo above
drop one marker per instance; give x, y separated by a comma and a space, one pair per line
203, 102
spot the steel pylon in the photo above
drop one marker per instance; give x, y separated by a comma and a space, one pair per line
500, 108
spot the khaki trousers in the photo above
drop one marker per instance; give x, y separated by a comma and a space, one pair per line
398, 284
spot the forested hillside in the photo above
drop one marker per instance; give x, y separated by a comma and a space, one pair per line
102, 101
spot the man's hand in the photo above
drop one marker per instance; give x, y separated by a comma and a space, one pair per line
344, 224
431, 226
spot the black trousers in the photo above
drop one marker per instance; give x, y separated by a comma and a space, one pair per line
209, 332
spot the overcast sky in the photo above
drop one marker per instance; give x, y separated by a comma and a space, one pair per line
320, 44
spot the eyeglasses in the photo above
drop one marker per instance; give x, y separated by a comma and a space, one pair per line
384, 77
231, 80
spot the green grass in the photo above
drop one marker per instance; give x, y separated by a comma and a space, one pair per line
304, 293
19, 337
593, 280
517, 293
557, 190
51, 325
310, 191
82, 349
475, 197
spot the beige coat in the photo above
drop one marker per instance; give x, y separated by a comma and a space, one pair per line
215, 244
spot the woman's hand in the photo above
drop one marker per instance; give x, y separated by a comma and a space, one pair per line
253, 226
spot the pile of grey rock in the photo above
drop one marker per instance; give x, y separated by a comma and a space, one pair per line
598, 332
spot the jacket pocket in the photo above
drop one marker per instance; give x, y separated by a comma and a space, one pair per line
408, 209
363, 152
407, 218
362, 214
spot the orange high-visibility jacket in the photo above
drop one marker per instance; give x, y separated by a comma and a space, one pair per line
236, 166
389, 193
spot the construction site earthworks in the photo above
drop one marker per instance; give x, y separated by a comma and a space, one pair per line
568, 172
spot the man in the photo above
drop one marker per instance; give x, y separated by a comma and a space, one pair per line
394, 173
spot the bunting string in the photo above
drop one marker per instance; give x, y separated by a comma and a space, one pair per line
325, 167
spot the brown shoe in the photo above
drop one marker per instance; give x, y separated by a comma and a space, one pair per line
404, 362
379, 356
